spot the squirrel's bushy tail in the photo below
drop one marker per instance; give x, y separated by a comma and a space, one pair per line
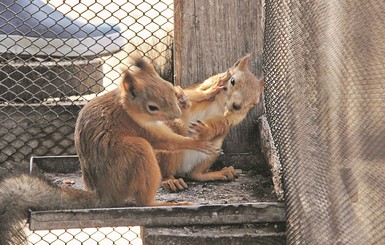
24, 192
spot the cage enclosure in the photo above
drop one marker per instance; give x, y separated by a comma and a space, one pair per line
321, 138
42, 90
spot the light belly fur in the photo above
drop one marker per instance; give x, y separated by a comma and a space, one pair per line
190, 160
193, 158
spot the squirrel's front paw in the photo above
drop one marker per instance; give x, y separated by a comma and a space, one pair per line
199, 130
212, 92
183, 100
208, 148
229, 173
174, 185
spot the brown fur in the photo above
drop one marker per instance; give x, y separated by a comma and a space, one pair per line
116, 135
215, 112
21, 193
118, 140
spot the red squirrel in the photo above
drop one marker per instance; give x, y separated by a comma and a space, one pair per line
117, 134
215, 105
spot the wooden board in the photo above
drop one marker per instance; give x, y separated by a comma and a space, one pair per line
210, 36
249, 186
245, 234
250, 199
271, 154
158, 216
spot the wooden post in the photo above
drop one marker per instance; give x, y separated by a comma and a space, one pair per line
210, 36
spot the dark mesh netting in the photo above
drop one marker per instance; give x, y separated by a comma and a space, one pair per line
325, 96
56, 55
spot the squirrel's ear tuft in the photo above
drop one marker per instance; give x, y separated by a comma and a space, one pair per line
143, 65
131, 84
243, 63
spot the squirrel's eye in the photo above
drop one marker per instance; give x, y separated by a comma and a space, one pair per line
232, 81
153, 108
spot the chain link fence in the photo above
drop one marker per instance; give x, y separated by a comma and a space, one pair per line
324, 75
54, 57
324, 71
87, 236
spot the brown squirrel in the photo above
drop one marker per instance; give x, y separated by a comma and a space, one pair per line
116, 135
215, 105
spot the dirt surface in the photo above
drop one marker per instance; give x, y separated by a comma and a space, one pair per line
250, 187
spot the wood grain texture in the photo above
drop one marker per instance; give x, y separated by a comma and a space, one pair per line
210, 36
271, 155
245, 234
223, 214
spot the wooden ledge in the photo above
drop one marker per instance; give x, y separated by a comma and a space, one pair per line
159, 216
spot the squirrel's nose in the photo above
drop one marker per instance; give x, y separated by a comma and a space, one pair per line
237, 106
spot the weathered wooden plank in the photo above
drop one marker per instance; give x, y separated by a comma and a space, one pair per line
271, 154
210, 36
159, 216
253, 234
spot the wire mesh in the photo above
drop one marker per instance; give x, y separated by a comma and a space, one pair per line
56, 55
88, 236
324, 76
